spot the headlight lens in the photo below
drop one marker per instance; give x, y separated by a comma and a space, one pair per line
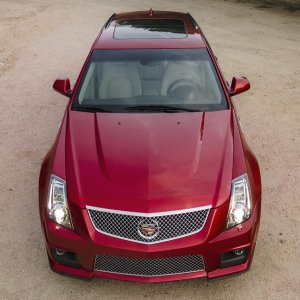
57, 207
240, 202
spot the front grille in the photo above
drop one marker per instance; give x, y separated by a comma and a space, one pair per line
149, 267
148, 228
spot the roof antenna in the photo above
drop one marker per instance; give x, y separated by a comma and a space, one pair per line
150, 12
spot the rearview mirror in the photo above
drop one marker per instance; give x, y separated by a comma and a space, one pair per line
239, 85
63, 86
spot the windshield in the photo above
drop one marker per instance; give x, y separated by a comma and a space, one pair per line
164, 79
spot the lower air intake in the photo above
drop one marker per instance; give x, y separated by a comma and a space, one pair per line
149, 267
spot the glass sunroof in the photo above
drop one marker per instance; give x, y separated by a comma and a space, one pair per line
150, 29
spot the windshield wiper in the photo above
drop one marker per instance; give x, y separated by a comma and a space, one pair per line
91, 108
163, 108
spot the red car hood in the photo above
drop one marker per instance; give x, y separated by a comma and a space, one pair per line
149, 162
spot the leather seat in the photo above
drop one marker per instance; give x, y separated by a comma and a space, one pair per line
120, 80
151, 75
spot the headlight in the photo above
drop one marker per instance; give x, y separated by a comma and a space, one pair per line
57, 207
240, 201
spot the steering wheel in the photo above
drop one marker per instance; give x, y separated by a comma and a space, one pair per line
185, 89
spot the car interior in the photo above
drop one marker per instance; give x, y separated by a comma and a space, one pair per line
190, 82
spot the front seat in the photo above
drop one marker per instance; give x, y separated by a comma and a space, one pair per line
119, 80
177, 71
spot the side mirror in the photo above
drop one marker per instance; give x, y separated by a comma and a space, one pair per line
239, 85
63, 86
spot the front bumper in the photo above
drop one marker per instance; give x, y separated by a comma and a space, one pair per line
210, 243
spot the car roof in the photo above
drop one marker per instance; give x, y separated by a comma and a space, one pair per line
131, 36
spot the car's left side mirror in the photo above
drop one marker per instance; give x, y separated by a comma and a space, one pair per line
239, 85
63, 86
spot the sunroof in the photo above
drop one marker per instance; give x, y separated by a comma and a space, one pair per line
150, 29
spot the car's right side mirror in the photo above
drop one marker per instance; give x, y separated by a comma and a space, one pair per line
239, 85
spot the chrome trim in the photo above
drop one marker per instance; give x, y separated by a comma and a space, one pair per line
166, 213
149, 215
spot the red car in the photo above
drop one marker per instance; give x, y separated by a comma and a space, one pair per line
150, 178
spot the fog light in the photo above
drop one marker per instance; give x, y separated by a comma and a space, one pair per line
239, 252
60, 252
66, 258
234, 257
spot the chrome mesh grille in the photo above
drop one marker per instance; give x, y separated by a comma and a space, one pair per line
149, 267
168, 226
